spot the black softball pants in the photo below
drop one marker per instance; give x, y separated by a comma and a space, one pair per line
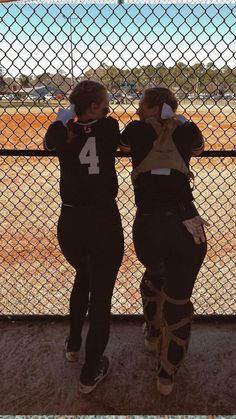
172, 261
91, 240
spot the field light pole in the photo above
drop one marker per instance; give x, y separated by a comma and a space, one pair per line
70, 19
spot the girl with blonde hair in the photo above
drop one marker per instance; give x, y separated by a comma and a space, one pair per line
89, 228
168, 233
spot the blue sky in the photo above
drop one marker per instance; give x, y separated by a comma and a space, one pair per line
35, 38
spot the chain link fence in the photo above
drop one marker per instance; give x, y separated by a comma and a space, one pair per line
44, 50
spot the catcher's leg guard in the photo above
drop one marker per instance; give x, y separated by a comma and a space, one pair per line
152, 298
175, 341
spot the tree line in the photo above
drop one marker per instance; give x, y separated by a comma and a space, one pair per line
197, 78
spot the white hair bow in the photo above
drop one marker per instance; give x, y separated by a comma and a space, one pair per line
167, 112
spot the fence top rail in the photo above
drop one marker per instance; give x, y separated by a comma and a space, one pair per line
41, 153
116, 2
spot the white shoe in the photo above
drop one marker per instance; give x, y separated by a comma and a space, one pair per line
152, 344
165, 385
72, 354
87, 385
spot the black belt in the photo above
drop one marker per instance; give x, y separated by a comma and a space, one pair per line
65, 204
187, 210
77, 205
68, 205
160, 211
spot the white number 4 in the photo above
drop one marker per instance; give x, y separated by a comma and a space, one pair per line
88, 156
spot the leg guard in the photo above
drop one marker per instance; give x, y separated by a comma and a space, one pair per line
175, 336
152, 298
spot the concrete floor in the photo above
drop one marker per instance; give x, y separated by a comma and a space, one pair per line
35, 379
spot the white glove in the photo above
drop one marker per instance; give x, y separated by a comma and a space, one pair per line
64, 115
182, 118
195, 226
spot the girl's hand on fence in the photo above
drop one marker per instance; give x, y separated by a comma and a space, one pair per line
182, 119
195, 226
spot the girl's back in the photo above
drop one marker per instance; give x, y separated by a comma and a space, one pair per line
87, 159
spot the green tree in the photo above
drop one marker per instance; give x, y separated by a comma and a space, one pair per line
61, 80
3, 84
44, 79
180, 74
24, 81
179, 77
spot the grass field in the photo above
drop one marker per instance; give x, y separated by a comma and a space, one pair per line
35, 279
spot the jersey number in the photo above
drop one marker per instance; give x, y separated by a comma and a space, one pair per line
88, 156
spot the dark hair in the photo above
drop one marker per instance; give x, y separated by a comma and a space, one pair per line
84, 94
159, 95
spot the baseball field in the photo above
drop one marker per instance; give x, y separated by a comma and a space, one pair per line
36, 279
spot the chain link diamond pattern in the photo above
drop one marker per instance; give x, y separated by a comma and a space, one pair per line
44, 50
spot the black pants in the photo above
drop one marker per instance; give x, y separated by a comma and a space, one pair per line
172, 260
91, 239
164, 239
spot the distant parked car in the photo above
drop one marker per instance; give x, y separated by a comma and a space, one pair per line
228, 96
59, 96
192, 95
216, 96
34, 97
117, 98
204, 95
48, 96
180, 95
8, 96
132, 96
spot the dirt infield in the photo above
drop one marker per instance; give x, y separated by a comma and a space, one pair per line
34, 276
25, 127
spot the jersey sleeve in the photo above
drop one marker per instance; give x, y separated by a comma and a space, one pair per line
55, 131
113, 132
116, 133
127, 137
197, 139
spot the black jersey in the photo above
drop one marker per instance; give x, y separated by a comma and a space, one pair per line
87, 160
153, 190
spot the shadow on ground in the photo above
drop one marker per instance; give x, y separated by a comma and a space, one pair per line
37, 380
